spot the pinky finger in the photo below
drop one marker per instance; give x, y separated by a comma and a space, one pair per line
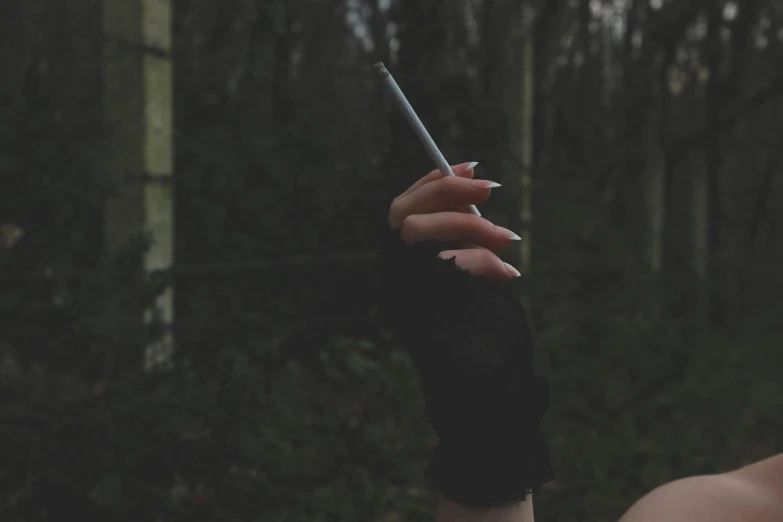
482, 262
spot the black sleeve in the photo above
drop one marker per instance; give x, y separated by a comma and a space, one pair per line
472, 345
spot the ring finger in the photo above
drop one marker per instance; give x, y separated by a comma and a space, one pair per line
455, 227
445, 194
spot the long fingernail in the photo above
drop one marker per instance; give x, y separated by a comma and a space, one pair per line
464, 167
513, 271
506, 233
484, 184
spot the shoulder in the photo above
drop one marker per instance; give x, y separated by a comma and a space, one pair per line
708, 498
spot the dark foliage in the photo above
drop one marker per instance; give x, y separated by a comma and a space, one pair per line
287, 399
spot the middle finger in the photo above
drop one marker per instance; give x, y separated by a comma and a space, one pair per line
445, 194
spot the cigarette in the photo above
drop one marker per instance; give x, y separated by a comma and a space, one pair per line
418, 127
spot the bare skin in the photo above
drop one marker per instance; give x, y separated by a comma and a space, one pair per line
449, 511
753, 493
432, 209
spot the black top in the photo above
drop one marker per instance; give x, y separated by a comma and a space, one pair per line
472, 345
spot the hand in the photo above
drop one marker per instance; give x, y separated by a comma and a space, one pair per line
434, 209
469, 339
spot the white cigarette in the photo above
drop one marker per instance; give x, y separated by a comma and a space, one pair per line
418, 126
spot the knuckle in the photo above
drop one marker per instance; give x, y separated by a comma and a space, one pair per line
467, 221
410, 225
394, 210
498, 264
485, 225
487, 258
452, 183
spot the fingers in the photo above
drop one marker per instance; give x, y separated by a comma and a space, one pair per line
482, 262
445, 194
434, 209
455, 227
463, 170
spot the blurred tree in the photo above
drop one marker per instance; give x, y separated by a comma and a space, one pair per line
656, 127
137, 97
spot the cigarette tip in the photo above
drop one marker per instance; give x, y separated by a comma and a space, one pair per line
380, 69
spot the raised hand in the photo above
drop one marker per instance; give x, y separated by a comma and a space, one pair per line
433, 209
470, 340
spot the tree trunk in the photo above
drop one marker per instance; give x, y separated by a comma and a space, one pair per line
138, 114
21, 23
526, 155
655, 190
519, 112
700, 224
712, 154
656, 132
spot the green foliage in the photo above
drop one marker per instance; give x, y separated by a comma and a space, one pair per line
282, 405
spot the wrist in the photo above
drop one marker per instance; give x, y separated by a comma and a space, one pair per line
492, 472
450, 511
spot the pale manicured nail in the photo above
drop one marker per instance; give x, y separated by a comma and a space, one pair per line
484, 184
464, 167
513, 271
507, 234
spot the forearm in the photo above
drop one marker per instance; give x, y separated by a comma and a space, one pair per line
472, 345
449, 511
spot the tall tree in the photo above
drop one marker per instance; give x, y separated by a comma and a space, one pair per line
138, 109
712, 152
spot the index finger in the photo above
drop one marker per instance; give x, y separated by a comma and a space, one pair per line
463, 170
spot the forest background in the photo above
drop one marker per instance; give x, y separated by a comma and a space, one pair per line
639, 147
